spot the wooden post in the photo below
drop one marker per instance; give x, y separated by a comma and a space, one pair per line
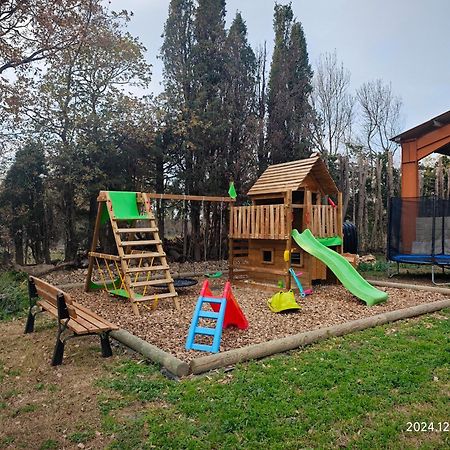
289, 217
339, 221
230, 245
93, 246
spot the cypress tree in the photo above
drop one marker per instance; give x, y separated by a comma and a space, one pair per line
289, 89
241, 105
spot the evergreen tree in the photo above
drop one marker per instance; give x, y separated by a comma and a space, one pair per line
241, 105
289, 88
23, 203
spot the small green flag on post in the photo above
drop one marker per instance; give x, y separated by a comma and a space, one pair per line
232, 190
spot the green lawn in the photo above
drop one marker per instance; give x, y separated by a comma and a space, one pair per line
358, 391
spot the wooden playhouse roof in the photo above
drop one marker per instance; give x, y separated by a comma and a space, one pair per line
293, 176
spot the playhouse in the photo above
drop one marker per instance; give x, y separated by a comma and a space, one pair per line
294, 195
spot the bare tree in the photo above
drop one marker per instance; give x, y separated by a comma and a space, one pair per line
333, 105
380, 116
32, 30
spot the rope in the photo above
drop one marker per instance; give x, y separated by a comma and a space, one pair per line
122, 282
111, 276
204, 232
101, 273
220, 232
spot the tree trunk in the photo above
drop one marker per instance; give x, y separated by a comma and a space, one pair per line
344, 185
18, 247
362, 208
71, 241
159, 185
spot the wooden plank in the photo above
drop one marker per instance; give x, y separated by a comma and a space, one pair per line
105, 256
135, 243
152, 282
200, 198
276, 224
137, 230
72, 324
155, 296
102, 197
257, 221
143, 255
47, 289
147, 269
94, 242
82, 308
272, 221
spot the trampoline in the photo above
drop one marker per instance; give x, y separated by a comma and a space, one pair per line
419, 232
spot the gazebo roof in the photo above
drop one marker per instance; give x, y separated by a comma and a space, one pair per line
423, 128
292, 176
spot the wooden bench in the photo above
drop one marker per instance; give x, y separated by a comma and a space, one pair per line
71, 316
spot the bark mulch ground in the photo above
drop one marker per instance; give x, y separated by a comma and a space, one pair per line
164, 327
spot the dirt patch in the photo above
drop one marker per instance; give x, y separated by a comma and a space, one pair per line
164, 327
44, 406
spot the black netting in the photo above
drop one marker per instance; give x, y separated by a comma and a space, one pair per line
419, 229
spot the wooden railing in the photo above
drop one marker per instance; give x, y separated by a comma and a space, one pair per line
324, 221
258, 222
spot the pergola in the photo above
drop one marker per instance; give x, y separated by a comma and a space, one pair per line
432, 136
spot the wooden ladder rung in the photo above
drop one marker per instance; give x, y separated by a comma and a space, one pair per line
146, 269
152, 282
143, 255
136, 230
134, 243
155, 296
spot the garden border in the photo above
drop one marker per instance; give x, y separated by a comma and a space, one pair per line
256, 351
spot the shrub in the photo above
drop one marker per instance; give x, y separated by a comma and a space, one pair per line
13, 294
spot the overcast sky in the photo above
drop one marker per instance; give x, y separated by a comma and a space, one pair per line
404, 42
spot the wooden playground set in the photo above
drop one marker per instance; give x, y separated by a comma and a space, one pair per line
281, 246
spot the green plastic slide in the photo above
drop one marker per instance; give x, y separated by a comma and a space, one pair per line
345, 272
125, 206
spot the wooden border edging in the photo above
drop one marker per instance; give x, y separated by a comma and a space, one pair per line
417, 287
150, 351
231, 357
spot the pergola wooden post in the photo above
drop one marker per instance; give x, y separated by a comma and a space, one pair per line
417, 143
429, 137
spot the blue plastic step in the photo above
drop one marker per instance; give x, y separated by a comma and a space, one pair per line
208, 314
206, 331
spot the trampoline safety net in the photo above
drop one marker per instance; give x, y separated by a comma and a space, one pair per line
419, 230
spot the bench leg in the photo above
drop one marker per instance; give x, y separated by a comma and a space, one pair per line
106, 345
29, 326
58, 353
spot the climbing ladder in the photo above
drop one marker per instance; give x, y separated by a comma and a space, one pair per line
141, 262
198, 330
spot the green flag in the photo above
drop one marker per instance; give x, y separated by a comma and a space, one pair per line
232, 191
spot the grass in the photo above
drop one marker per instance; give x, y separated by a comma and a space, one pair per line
13, 294
357, 391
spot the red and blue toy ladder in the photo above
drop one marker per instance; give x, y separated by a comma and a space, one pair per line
216, 332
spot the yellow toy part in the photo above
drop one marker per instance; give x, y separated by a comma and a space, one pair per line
282, 301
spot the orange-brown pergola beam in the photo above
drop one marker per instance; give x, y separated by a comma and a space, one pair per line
416, 149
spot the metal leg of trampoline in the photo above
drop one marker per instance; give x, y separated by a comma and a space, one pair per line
432, 276
390, 275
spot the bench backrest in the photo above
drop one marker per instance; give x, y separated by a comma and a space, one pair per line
51, 293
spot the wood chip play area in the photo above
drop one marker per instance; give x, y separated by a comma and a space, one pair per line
167, 329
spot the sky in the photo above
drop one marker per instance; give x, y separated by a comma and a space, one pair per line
404, 42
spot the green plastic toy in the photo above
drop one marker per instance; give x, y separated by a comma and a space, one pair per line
214, 275
282, 301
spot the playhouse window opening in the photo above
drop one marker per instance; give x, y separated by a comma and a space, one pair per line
267, 256
296, 259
